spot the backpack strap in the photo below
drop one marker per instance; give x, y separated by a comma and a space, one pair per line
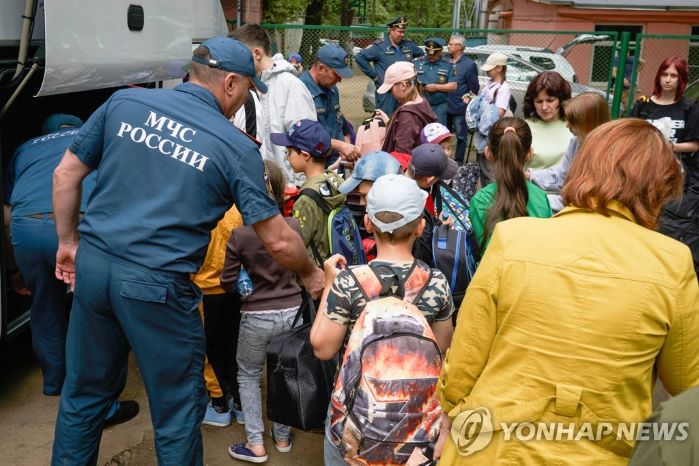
419, 277
317, 198
320, 202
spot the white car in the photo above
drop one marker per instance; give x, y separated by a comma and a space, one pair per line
545, 58
519, 74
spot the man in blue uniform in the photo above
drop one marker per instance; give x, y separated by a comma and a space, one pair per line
329, 68
436, 77
374, 60
27, 193
170, 165
466, 86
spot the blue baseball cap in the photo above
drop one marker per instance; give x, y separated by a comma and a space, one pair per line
297, 57
369, 168
54, 122
307, 135
231, 55
336, 58
432, 160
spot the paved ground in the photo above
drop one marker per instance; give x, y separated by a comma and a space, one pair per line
27, 421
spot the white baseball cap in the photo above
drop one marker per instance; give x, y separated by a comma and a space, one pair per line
434, 133
494, 59
397, 194
397, 72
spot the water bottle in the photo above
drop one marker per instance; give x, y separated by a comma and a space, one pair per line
244, 283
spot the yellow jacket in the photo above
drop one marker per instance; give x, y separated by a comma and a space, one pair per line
208, 278
564, 322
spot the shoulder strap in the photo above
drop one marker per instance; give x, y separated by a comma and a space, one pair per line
388, 282
417, 266
317, 198
359, 282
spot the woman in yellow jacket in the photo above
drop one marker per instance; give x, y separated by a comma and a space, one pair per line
568, 320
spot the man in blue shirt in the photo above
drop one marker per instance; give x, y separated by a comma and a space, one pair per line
170, 165
466, 85
436, 77
374, 60
329, 68
28, 209
27, 192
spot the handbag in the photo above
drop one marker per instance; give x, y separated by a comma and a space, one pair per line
298, 383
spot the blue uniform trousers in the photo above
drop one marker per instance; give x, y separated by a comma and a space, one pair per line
118, 305
34, 241
441, 111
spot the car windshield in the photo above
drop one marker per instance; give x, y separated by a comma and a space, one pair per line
517, 69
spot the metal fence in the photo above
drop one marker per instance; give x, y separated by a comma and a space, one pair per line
588, 64
648, 52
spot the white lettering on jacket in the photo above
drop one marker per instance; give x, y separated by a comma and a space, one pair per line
156, 142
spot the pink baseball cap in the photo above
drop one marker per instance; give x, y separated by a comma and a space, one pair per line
434, 133
397, 72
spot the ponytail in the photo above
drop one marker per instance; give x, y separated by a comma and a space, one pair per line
510, 140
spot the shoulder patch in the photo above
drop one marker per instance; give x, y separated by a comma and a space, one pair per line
325, 190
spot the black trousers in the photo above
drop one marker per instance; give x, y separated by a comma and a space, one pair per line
221, 326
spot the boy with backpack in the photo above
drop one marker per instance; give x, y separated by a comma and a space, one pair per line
394, 318
326, 224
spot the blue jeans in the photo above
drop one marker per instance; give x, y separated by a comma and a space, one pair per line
117, 306
256, 331
457, 123
331, 455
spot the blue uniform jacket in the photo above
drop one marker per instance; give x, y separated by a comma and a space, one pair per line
466, 81
29, 175
170, 166
327, 103
382, 55
439, 72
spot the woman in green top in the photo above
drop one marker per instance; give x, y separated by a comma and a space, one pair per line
511, 195
543, 111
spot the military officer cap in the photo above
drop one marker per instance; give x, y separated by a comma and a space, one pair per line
400, 22
434, 45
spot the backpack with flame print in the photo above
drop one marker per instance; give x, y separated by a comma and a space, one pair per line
384, 404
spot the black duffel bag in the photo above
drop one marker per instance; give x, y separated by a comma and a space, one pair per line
298, 383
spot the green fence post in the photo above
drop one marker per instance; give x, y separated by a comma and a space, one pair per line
634, 73
620, 67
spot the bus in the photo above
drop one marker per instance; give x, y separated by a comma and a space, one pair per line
69, 56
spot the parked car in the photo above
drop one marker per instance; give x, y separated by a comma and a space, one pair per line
546, 58
519, 74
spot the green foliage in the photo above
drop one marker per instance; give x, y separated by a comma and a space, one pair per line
420, 13
283, 11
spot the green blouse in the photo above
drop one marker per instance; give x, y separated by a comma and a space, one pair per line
537, 206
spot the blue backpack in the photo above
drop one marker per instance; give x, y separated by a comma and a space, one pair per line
455, 251
343, 233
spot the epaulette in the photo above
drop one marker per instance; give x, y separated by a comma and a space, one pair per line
421, 58
644, 99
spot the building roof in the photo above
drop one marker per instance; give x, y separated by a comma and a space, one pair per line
628, 4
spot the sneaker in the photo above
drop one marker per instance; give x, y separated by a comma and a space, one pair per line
216, 418
286, 449
237, 411
240, 452
123, 411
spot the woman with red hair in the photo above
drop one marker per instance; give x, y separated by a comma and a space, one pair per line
678, 118
568, 321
